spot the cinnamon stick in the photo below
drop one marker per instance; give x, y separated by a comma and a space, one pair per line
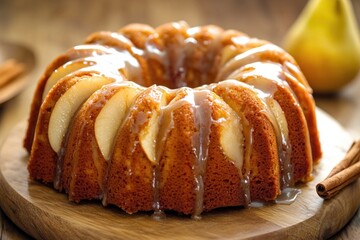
9, 70
344, 173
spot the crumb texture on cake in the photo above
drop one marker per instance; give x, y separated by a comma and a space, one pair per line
178, 118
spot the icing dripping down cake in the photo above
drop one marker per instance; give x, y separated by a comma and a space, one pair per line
172, 118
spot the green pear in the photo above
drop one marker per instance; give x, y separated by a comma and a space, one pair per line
325, 42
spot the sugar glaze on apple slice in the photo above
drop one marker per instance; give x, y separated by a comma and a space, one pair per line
111, 117
66, 107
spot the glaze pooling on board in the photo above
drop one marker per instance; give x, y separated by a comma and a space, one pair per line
178, 72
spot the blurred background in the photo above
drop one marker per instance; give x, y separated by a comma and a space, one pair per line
49, 27
61, 24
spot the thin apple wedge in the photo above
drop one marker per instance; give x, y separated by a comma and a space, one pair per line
62, 72
231, 136
68, 104
148, 133
111, 117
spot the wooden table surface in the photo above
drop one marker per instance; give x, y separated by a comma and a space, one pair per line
51, 27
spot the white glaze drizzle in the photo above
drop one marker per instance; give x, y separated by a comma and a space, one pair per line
167, 123
59, 127
203, 121
248, 142
245, 177
112, 64
177, 56
252, 55
266, 77
200, 107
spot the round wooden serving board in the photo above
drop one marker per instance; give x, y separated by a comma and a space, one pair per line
46, 214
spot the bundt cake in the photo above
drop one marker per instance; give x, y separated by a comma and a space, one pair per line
173, 118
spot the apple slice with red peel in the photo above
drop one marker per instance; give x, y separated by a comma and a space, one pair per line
68, 104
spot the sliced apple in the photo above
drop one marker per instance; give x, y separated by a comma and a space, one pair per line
111, 117
231, 138
67, 105
62, 72
247, 57
281, 129
266, 87
148, 133
228, 52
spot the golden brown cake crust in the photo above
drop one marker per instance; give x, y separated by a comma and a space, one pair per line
263, 165
82, 175
173, 146
130, 178
71, 54
42, 162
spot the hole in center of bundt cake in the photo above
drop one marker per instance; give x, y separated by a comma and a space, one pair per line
184, 69
189, 58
